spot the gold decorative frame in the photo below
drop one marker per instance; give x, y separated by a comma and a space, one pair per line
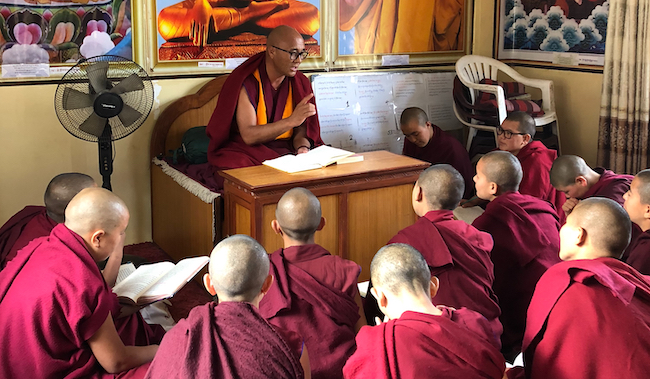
157, 66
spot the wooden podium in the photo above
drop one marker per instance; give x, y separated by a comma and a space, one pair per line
364, 203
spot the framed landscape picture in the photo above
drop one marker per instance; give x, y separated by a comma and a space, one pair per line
567, 32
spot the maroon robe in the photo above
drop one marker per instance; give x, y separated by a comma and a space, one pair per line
536, 161
53, 298
28, 224
230, 340
459, 255
227, 149
637, 254
314, 295
589, 319
526, 243
610, 185
455, 345
444, 148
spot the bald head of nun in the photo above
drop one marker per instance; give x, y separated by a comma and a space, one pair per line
497, 172
398, 268
597, 227
100, 218
238, 270
298, 214
61, 189
439, 187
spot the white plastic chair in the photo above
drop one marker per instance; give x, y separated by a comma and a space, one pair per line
471, 69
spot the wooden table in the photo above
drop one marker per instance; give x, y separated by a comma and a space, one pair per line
364, 203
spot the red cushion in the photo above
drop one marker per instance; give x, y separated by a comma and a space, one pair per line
528, 106
510, 89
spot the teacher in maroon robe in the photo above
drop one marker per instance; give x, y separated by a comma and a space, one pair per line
526, 240
418, 339
266, 107
590, 315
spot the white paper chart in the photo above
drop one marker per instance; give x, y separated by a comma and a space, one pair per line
360, 112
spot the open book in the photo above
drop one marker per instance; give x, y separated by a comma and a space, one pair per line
317, 158
157, 281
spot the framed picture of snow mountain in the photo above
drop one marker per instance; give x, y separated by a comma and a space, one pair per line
564, 32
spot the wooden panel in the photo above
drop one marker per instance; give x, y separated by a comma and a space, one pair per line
269, 239
242, 220
374, 217
328, 237
182, 224
376, 162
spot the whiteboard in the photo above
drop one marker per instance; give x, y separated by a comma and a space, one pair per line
360, 112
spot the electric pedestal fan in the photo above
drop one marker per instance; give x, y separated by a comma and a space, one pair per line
103, 99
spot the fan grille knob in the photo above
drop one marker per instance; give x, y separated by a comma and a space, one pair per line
108, 104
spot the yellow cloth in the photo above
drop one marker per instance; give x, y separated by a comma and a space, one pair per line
404, 26
261, 107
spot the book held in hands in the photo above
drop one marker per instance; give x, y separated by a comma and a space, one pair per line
319, 157
156, 281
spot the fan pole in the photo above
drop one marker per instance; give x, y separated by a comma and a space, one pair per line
106, 156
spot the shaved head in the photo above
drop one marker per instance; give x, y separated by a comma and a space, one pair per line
607, 224
525, 121
442, 186
95, 209
502, 168
400, 267
565, 170
299, 214
280, 35
61, 190
413, 113
238, 267
643, 177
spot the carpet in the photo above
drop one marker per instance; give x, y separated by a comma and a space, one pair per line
190, 296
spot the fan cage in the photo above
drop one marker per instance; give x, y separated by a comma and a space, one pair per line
119, 68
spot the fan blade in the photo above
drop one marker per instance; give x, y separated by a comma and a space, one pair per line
94, 125
128, 115
73, 99
131, 83
97, 75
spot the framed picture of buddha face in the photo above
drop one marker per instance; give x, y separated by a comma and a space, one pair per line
386, 32
62, 32
217, 35
564, 32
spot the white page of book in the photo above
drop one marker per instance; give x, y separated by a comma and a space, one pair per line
125, 270
175, 278
141, 279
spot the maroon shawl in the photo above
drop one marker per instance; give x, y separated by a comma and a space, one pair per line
589, 319
459, 255
457, 345
638, 253
536, 161
526, 242
444, 148
313, 295
227, 149
610, 185
28, 224
230, 340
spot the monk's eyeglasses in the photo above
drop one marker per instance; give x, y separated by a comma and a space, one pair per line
294, 54
507, 133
